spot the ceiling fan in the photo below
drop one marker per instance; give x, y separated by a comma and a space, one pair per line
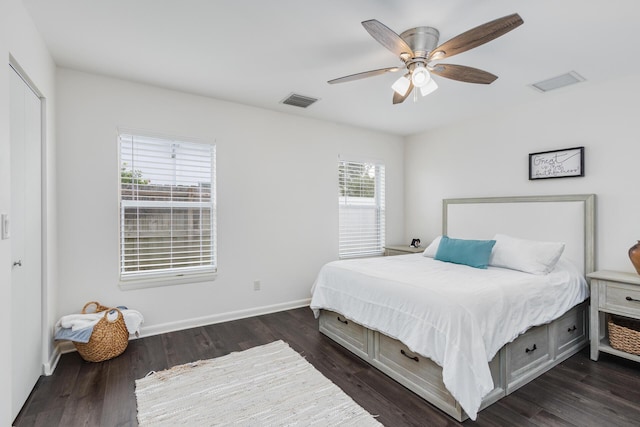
418, 47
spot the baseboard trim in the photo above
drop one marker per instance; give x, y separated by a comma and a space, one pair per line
219, 318
68, 347
50, 365
59, 349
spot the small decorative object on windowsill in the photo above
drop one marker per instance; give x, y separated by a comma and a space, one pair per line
415, 243
634, 256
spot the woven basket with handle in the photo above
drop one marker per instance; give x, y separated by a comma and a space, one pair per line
98, 307
108, 339
624, 334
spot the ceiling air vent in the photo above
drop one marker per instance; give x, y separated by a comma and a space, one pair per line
299, 100
557, 82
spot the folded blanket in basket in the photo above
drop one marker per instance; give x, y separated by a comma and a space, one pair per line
81, 335
78, 327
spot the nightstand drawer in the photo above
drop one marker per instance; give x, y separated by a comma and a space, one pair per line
391, 250
623, 298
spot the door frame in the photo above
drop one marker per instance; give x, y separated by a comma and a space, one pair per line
45, 338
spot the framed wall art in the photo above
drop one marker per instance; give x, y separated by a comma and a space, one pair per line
568, 162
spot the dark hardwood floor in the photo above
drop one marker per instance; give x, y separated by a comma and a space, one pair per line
578, 392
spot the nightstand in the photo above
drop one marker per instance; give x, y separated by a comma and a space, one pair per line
390, 250
616, 293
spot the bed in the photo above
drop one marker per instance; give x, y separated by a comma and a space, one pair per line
463, 337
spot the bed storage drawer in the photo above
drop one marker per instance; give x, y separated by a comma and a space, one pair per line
423, 374
424, 377
527, 352
570, 330
352, 335
511, 368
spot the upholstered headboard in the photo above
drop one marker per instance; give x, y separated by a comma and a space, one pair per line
562, 218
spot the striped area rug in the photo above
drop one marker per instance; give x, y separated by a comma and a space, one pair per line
269, 385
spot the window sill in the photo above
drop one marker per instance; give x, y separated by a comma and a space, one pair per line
155, 282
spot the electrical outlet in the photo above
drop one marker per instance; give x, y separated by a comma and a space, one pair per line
256, 285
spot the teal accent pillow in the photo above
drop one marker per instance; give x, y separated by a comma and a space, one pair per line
474, 253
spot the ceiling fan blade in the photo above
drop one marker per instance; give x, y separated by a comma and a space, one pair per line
387, 37
398, 99
463, 73
476, 36
363, 75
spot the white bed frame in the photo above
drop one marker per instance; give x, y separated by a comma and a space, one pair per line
567, 218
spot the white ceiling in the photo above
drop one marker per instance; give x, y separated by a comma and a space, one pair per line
257, 52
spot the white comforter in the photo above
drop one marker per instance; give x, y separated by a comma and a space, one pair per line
458, 316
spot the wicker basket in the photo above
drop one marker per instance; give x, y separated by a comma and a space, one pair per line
98, 307
624, 334
108, 339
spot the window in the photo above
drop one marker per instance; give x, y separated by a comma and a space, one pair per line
167, 208
361, 209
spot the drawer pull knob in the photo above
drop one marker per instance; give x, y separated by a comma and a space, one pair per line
346, 322
632, 299
404, 353
529, 350
571, 329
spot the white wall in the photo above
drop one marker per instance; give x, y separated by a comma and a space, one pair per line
20, 39
277, 197
488, 156
5, 200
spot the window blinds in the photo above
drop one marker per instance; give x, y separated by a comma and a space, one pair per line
167, 207
361, 195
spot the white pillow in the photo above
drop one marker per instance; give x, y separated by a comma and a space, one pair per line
431, 250
529, 256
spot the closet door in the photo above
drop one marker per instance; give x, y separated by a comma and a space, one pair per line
26, 240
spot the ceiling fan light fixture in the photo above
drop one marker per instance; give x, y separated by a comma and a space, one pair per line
428, 88
420, 76
401, 86
417, 47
